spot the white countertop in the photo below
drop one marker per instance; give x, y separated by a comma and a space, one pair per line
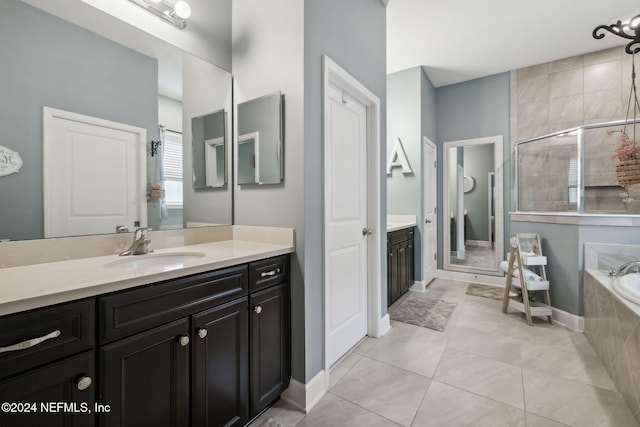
31, 286
398, 222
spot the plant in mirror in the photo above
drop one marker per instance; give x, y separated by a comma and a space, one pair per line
259, 148
83, 61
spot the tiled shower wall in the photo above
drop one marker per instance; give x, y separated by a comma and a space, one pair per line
571, 92
585, 89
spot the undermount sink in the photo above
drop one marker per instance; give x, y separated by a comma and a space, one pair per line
173, 260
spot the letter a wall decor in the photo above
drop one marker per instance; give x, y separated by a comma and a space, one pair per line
398, 158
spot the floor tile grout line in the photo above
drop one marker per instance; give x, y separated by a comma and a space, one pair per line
424, 395
366, 409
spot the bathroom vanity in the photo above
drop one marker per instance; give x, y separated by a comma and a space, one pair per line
204, 346
400, 250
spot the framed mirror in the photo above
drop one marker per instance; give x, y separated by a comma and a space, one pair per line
209, 146
79, 59
473, 208
259, 148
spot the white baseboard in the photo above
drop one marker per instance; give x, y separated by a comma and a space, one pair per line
470, 277
384, 324
418, 286
483, 243
568, 320
305, 396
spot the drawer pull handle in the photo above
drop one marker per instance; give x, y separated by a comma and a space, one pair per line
84, 383
270, 273
30, 343
184, 340
202, 332
257, 309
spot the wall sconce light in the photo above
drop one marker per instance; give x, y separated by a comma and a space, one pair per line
628, 30
175, 14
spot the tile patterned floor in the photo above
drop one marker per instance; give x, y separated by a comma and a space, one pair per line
486, 369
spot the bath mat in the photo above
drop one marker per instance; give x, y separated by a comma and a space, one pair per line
426, 312
486, 291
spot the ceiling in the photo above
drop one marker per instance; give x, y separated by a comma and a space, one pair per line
459, 40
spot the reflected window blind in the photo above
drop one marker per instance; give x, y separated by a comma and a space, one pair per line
172, 159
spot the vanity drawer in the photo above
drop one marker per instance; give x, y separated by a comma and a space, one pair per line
400, 236
132, 311
46, 334
269, 272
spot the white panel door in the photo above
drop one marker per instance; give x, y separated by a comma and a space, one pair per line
429, 188
94, 175
345, 218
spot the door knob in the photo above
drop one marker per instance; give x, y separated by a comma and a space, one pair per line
184, 340
367, 231
427, 221
202, 332
257, 309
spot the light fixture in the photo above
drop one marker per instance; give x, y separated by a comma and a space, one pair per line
175, 14
628, 30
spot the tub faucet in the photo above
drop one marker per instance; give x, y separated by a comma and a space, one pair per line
626, 268
140, 243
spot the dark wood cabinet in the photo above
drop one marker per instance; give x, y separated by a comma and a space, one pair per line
270, 346
46, 391
209, 349
400, 266
220, 381
47, 366
145, 378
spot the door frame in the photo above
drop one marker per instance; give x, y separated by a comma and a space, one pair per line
427, 142
336, 76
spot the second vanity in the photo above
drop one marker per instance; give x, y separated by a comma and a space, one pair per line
400, 252
205, 342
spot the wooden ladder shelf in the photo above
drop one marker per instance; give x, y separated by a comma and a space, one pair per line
526, 257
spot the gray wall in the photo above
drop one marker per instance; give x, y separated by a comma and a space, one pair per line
353, 34
404, 121
478, 162
48, 62
473, 109
411, 115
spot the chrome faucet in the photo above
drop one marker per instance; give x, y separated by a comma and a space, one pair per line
626, 268
140, 243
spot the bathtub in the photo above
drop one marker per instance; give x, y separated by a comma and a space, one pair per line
628, 287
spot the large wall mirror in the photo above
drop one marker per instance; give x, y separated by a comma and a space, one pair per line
76, 58
473, 205
259, 144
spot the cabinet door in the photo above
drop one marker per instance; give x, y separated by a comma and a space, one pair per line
394, 273
403, 273
49, 387
220, 364
270, 341
145, 378
410, 265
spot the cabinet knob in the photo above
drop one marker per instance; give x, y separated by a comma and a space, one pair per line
184, 340
84, 383
202, 332
257, 309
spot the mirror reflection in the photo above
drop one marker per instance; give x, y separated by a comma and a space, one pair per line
50, 62
473, 178
259, 145
209, 153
